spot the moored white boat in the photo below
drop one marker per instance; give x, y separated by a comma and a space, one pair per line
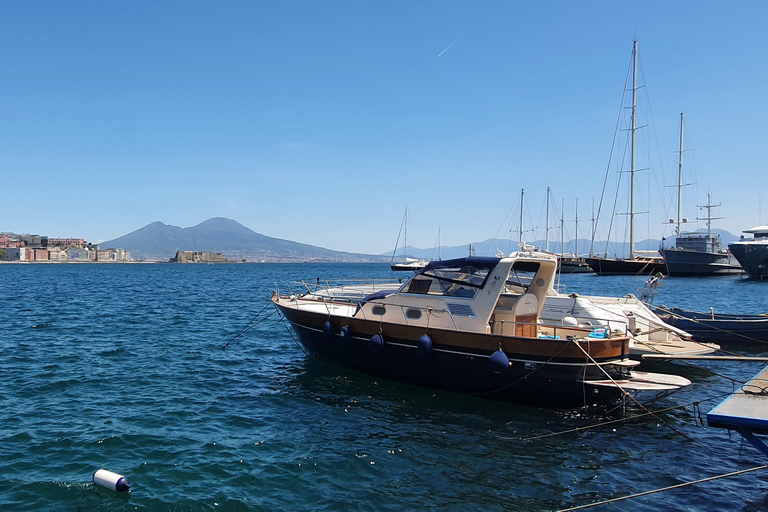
454, 326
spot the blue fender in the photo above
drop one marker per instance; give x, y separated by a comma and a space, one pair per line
498, 362
425, 346
377, 342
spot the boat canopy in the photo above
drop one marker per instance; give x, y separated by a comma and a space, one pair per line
758, 231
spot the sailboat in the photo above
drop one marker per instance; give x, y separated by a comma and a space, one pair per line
407, 263
697, 254
636, 264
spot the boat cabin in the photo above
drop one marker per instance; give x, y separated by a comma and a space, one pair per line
471, 294
758, 232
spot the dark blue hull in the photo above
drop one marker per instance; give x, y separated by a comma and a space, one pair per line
753, 258
614, 267
530, 379
722, 329
685, 263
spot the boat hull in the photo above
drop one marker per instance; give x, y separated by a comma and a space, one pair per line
542, 372
574, 266
618, 267
685, 263
753, 258
722, 329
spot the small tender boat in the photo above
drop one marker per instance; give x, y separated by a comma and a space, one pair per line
453, 325
719, 328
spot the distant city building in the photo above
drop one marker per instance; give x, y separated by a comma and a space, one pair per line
74, 242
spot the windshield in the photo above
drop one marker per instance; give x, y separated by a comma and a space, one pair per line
458, 281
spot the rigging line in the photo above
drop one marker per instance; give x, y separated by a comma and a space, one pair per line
610, 156
695, 404
685, 484
248, 326
626, 394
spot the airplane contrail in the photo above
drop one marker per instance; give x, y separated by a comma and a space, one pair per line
446, 49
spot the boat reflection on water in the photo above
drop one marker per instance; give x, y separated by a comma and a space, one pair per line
461, 325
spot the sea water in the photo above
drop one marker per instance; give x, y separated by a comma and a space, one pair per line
124, 367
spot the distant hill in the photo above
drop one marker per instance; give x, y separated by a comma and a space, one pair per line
492, 246
160, 242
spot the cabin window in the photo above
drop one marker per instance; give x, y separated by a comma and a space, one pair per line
522, 275
379, 310
413, 313
419, 286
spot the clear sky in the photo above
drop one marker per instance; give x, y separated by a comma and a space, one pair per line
320, 121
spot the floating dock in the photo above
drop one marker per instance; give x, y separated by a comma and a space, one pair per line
745, 411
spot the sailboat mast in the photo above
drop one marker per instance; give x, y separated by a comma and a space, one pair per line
405, 235
632, 155
562, 229
592, 243
576, 251
680, 175
522, 209
547, 230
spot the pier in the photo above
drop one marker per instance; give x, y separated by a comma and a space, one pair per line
745, 411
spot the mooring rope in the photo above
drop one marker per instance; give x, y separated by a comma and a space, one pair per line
678, 486
695, 404
250, 325
629, 395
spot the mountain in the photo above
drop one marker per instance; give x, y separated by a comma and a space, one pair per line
492, 246
160, 242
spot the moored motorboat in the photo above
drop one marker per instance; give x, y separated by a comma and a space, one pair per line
722, 328
453, 325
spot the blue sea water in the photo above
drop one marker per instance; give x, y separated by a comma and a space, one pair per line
123, 367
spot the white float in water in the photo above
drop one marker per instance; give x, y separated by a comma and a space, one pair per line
111, 481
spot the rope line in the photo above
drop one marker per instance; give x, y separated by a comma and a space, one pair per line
629, 395
619, 420
250, 325
678, 486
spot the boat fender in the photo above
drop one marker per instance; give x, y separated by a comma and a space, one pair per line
327, 331
377, 342
498, 362
345, 333
425, 346
111, 481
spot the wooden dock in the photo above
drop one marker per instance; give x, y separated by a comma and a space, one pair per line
745, 411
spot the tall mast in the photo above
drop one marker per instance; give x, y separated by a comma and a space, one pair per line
680, 176
592, 243
562, 229
405, 235
577, 229
547, 230
632, 155
522, 209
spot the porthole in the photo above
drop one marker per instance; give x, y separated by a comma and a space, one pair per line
413, 313
378, 310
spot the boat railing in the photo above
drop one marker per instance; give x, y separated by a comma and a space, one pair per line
343, 288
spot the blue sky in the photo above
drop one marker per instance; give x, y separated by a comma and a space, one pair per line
320, 122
